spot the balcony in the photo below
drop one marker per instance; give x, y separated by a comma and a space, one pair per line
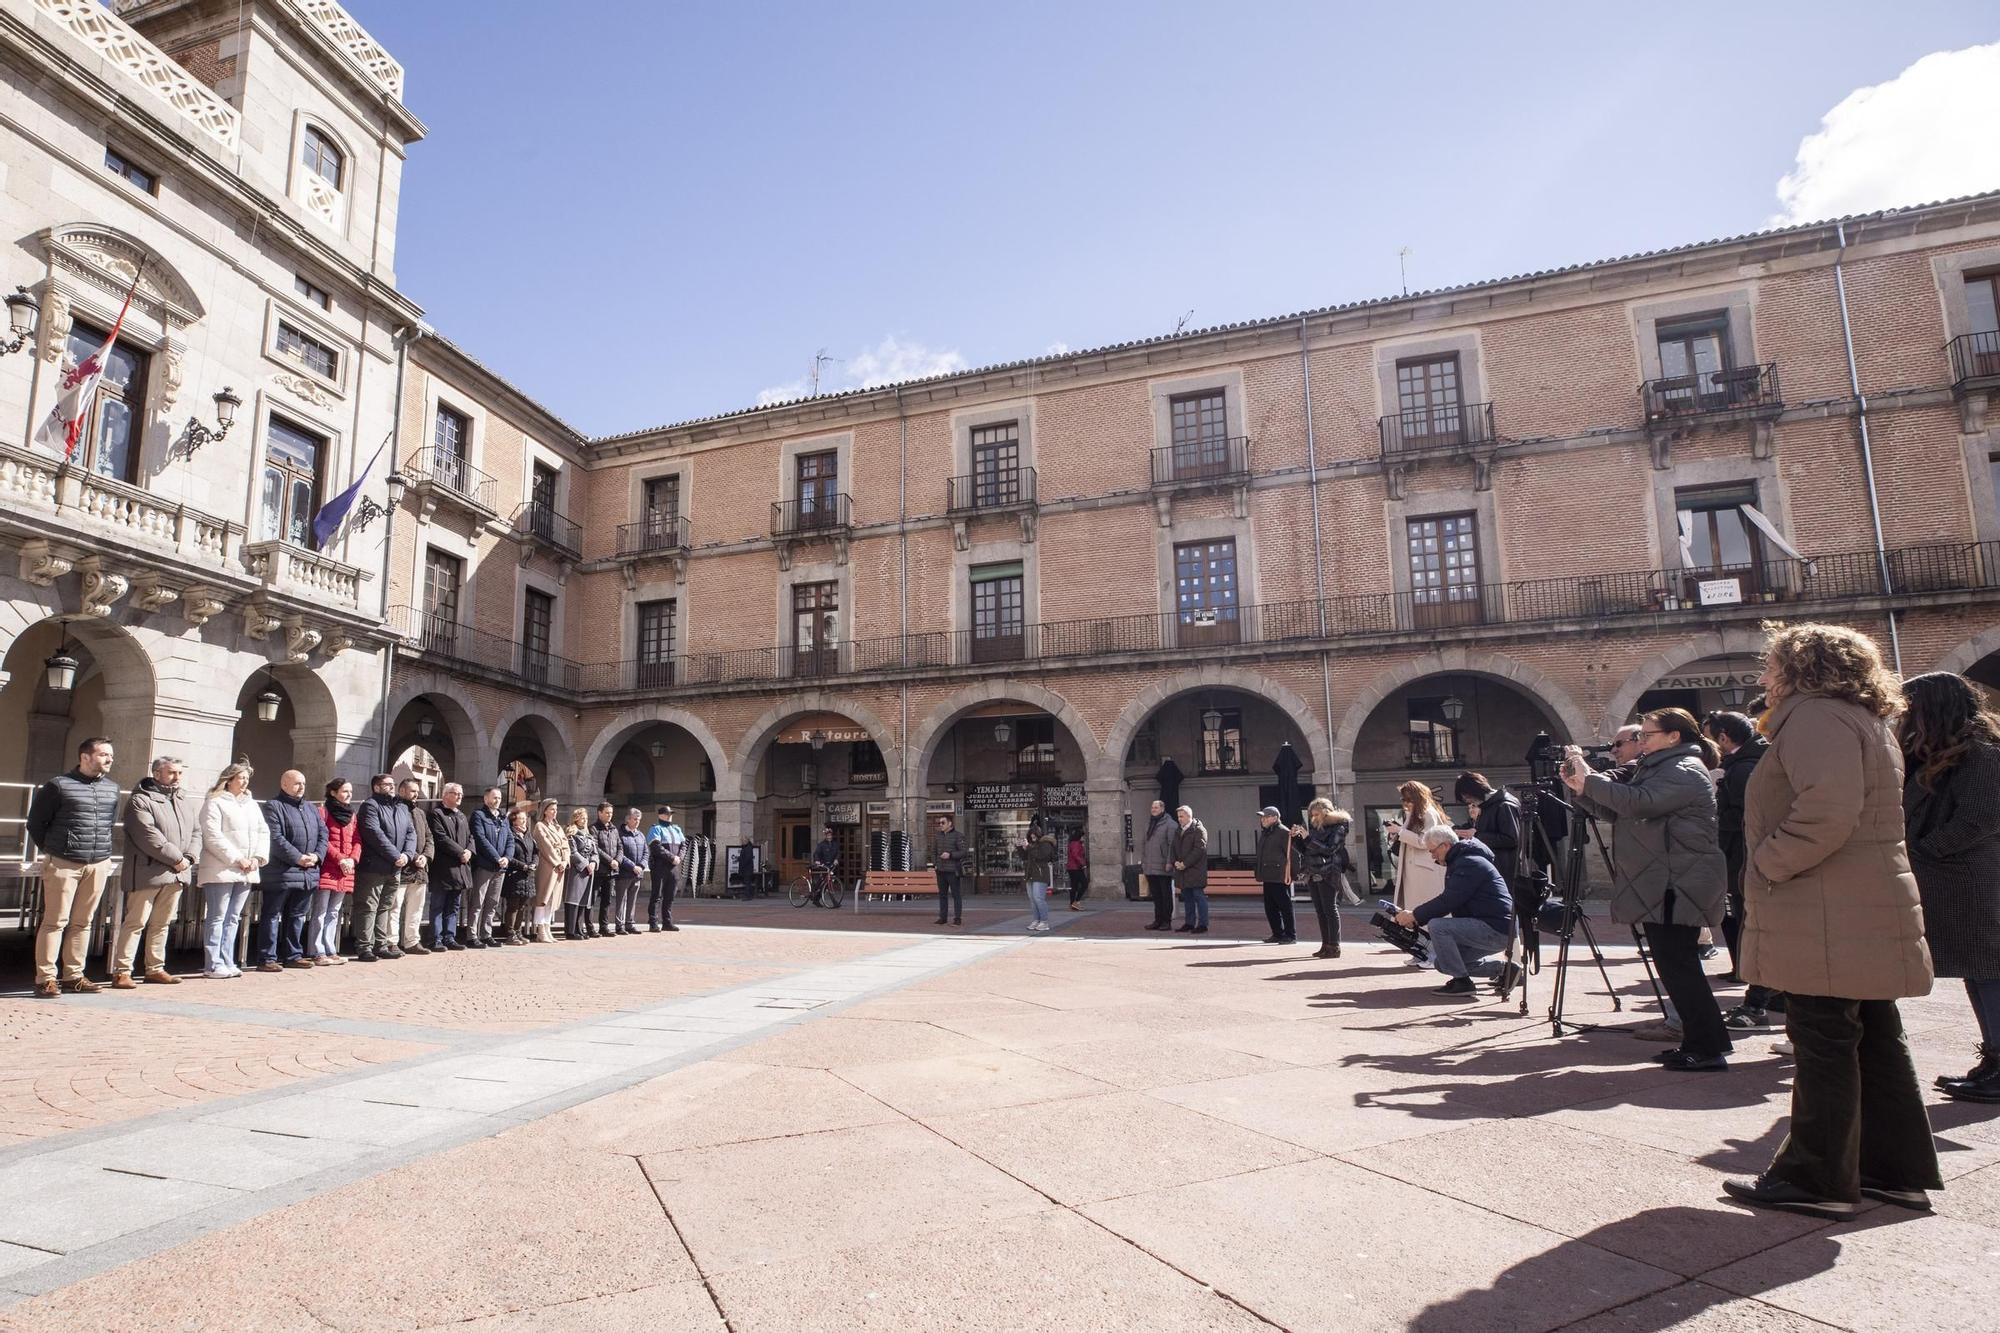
537, 522
444, 641
304, 574
1975, 373
821, 516
1737, 392
438, 475
1447, 429
1216, 461
1008, 491
663, 534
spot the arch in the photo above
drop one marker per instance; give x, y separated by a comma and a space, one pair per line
739, 780
1111, 759
107, 258
1727, 641
1450, 662
468, 744
118, 682
596, 765
307, 739
560, 779
1970, 653
931, 733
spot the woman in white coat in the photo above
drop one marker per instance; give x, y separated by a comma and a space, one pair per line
235, 844
1418, 878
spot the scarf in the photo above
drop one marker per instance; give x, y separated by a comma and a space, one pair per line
338, 812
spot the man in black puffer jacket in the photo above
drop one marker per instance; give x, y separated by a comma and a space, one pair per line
71, 821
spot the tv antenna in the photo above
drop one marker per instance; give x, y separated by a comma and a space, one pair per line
1182, 323
1403, 267
820, 358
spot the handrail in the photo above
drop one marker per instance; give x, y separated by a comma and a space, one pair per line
1974, 356
805, 518
540, 522
663, 533
1438, 428
1207, 459
453, 473
1712, 392
1001, 488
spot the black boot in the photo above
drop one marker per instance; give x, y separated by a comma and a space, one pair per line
1989, 1063
1982, 1088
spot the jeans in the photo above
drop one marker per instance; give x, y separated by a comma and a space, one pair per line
1457, 942
1194, 907
1677, 958
482, 907
149, 912
1857, 1111
374, 910
280, 933
70, 892
223, 904
323, 923
1278, 911
660, 896
1160, 888
444, 915
1038, 898
950, 896
1326, 909
1985, 997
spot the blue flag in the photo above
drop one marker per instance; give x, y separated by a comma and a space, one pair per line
332, 515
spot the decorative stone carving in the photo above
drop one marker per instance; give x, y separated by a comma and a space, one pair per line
298, 386
961, 534
1482, 470
336, 641
172, 374
784, 555
300, 639
200, 604
1972, 413
258, 622
1760, 438
101, 587
1394, 475
119, 44
352, 38
1662, 441
1163, 508
680, 558
149, 593
55, 324
630, 572
41, 565
1028, 526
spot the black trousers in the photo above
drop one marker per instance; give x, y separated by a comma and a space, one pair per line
1326, 908
950, 895
1079, 885
660, 896
1677, 958
1857, 1110
1732, 925
1278, 910
605, 892
1160, 888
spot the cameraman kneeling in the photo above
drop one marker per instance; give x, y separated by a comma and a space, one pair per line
1472, 918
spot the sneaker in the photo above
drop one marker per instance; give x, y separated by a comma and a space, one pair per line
212, 973
1915, 1200
1708, 952
1782, 1047
1743, 1018
1457, 987
1764, 1192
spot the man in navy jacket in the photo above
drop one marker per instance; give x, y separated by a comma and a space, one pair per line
492, 842
388, 844
1472, 918
298, 845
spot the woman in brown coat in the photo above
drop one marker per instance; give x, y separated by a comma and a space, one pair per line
1831, 916
551, 863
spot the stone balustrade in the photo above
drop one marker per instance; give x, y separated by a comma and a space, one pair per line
99, 506
301, 573
119, 43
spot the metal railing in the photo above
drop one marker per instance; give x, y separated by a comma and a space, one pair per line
1708, 392
1974, 356
660, 534
1211, 459
1942, 568
451, 473
817, 514
542, 523
1010, 488
1439, 428
448, 641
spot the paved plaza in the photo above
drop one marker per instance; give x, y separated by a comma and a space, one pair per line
780, 1120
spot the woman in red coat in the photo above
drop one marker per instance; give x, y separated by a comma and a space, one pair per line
336, 874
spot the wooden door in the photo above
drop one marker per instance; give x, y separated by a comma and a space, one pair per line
795, 845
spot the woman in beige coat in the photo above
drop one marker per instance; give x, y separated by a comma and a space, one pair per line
551, 865
1831, 917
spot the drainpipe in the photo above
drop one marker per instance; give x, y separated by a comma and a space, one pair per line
1867, 453
1319, 563
403, 339
902, 612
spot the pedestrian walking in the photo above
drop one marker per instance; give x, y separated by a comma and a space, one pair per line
163, 841
580, 887
1191, 871
492, 848
336, 873
388, 843
1156, 864
948, 863
1951, 816
1038, 863
1833, 919
450, 867
1322, 853
291, 875
551, 865
235, 845
1274, 871
1076, 861
70, 820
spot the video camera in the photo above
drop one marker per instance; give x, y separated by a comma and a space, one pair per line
1415, 943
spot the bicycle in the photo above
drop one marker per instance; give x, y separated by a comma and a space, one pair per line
820, 886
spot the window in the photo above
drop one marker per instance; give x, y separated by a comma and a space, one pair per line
1694, 354
1715, 533
996, 464
444, 576
538, 618
998, 631
1199, 425
1982, 302
1205, 591
815, 628
662, 508
542, 502
865, 764
1035, 747
1444, 570
312, 291
111, 433
1222, 744
1993, 472
322, 158
1433, 740
819, 489
451, 436
133, 174
656, 642
308, 351
290, 494
1428, 407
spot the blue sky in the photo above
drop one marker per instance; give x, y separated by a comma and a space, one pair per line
645, 212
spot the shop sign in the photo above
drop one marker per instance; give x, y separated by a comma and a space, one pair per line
878, 807
1720, 592
832, 727
841, 812
1003, 796
941, 808
1708, 680
1064, 796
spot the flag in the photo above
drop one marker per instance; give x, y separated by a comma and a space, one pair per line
78, 386
332, 515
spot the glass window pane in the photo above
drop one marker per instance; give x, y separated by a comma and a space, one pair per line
1733, 533
271, 505
1982, 303
116, 434
300, 515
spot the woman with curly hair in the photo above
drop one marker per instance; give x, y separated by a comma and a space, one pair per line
1951, 815
1832, 918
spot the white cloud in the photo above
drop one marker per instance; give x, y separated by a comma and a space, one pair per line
887, 362
1926, 134
1056, 348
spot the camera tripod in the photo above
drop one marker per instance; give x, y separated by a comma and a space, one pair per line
1566, 880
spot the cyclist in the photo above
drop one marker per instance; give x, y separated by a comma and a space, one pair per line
825, 861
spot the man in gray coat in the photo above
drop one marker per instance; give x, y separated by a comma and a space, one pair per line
1191, 871
163, 839
1156, 863
70, 822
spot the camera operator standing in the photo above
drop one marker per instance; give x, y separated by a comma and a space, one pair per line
1670, 874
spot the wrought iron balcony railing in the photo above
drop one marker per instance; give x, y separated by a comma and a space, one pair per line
1212, 460
445, 640
1738, 390
1975, 360
452, 476
1444, 428
823, 514
540, 522
662, 534
1009, 488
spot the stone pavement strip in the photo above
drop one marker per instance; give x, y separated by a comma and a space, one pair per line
978, 1132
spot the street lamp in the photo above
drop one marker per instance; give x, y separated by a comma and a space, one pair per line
1002, 733
267, 702
195, 435
398, 483
817, 740
21, 315
424, 728
1453, 708
62, 668
1211, 718
658, 748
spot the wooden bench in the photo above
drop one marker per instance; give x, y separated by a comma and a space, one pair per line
1234, 884
886, 884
